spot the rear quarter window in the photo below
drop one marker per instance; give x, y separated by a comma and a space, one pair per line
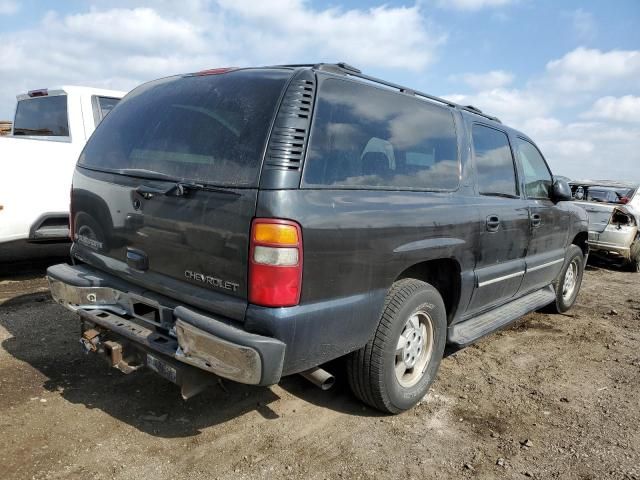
367, 137
42, 116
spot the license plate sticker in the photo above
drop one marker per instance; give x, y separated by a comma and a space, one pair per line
162, 368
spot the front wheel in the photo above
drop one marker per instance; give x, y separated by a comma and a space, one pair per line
395, 369
568, 283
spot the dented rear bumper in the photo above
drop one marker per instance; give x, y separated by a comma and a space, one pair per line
194, 339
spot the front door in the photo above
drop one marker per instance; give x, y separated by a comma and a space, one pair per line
546, 251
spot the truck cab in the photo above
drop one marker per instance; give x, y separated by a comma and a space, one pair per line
50, 128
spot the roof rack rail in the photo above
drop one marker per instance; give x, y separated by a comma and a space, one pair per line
346, 69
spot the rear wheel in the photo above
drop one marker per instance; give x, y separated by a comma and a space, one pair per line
568, 283
396, 368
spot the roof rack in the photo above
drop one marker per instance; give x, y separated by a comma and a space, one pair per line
346, 69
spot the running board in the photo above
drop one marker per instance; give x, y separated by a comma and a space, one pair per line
469, 331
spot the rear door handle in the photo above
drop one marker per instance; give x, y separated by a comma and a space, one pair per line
493, 223
536, 220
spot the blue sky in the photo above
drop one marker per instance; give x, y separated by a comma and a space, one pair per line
567, 73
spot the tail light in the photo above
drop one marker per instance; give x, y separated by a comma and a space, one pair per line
72, 222
275, 263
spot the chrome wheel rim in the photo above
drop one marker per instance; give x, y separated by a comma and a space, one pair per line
570, 280
414, 349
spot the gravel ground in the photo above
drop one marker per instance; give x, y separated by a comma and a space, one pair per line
555, 396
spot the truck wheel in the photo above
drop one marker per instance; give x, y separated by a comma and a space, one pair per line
394, 370
568, 283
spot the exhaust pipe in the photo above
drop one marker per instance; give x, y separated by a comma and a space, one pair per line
319, 377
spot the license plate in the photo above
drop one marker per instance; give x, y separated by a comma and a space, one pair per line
162, 368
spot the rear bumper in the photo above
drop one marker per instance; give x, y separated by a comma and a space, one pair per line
613, 241
199, 340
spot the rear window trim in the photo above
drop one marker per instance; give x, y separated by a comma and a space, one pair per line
321, 78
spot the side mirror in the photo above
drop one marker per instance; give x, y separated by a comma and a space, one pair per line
561, 191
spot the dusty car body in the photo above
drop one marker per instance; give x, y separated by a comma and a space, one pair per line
614, 216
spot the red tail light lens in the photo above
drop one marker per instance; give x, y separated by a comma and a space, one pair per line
275, 263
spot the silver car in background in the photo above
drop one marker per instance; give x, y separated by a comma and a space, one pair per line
614, 217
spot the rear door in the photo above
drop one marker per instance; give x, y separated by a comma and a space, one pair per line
504, 234
547, 221
166, 188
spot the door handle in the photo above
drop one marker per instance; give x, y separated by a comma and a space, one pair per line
536, 220
493, 223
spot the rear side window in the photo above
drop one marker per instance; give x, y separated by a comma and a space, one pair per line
366, 137
102, 106
42, 116
537, 177
207, 128
495, 169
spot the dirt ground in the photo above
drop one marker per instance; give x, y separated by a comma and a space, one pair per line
551, 397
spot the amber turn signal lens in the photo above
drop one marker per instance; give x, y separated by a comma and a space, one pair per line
276, 234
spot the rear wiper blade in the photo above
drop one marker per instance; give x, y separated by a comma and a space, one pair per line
182, 186
150, 174
179, 189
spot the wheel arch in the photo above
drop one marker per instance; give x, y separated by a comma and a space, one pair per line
444, 275
581, 240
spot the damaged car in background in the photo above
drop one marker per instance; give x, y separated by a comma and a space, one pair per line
614, 215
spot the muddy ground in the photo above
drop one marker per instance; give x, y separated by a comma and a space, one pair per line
552, 397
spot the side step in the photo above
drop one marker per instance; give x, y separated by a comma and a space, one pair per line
469, 331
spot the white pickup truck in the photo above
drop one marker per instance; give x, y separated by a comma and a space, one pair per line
50, 129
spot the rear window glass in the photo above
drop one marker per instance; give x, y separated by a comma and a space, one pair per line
209, 128
366, 137
42, 116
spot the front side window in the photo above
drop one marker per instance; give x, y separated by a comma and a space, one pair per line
42, 117
494, 162
537, 177
367, 137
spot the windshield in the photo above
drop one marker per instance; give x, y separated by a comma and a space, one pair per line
208, 128
42, 116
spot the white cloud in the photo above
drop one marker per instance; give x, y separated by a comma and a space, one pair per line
489, 80
472, 5
607, 143
584, 24
589, 69
8, 7
119, 46
510, 105
622, 109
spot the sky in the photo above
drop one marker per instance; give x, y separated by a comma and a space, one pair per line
565, 73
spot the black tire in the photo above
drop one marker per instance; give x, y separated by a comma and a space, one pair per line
565, 302
372, 369
634, 255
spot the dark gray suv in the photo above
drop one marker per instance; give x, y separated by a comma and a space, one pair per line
259, 222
